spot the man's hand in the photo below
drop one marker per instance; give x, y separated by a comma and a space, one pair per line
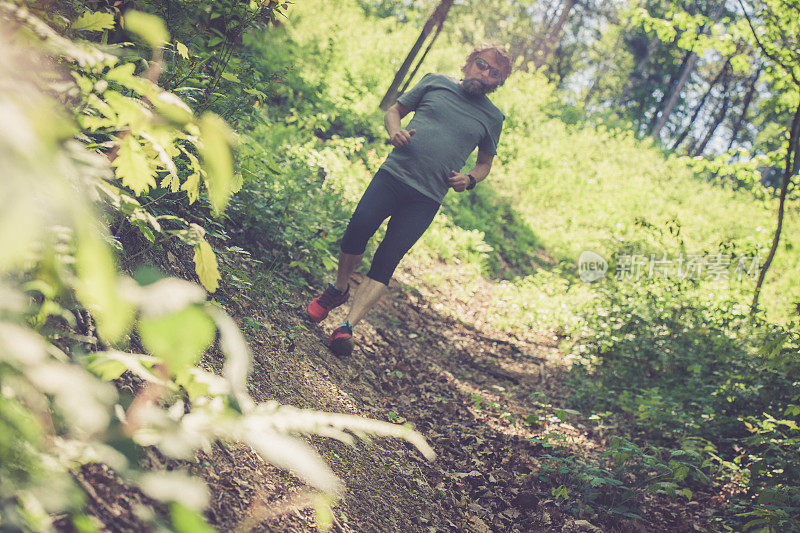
458, 181
402, 137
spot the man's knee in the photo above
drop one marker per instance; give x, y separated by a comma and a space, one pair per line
361, 219
381, 273
359, 230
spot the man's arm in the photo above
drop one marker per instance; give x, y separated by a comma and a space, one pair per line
483, 165
391, 120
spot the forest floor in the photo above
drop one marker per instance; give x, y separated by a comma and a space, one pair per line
467, 389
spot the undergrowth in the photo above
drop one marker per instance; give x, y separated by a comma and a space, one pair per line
698, 395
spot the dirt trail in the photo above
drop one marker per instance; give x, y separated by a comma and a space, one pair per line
466, 390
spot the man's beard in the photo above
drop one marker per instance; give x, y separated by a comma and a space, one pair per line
476, 88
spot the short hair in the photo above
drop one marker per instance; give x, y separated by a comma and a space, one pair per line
502, 56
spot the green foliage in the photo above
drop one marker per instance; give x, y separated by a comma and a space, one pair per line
217, 140
178, 338
560, 185
93, 21
659, 357
504, 230
150, 135
616, 483
701, 379
149, 27
778, 33
553, 187
207, 63
59, 280
286, 209
705, 394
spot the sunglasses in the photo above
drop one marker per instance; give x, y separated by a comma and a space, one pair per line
483, 65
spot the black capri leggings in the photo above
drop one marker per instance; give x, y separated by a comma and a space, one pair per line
411, 213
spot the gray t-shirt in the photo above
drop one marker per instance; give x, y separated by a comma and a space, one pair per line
449, 126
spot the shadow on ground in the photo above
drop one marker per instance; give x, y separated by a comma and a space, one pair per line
468, 390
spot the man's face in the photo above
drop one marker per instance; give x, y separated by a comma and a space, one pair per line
482, 75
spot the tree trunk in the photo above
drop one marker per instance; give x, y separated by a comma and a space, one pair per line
701, 104
535, 44
745, 106
651, 47
790, 168
673, 80
726, 100
436, 19
684, 77
553, 37
601, 73
661, 119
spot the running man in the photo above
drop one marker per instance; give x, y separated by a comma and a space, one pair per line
450, 119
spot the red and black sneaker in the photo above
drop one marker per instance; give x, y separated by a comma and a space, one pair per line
341, 340
319, 308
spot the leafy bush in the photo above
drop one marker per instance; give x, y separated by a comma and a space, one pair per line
504, 230
687, 373
616, 482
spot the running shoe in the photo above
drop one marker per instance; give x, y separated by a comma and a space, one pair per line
341, 340
319, 308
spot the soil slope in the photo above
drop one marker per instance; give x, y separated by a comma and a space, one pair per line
469, 391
